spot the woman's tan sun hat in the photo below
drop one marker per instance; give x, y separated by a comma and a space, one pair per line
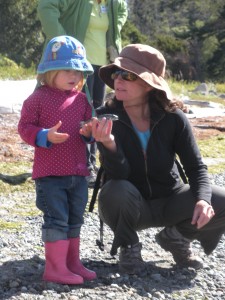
145, 61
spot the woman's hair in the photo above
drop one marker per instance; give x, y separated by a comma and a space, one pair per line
48, 79
159, 101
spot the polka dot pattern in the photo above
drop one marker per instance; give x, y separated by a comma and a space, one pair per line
44, 109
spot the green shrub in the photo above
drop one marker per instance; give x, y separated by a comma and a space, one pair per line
12, 71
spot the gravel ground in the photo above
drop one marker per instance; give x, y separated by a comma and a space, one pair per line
22, 256
22, 263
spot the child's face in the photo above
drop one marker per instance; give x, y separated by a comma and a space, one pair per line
66, 80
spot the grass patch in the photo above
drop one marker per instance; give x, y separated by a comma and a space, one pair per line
213, 147
217, 168
7, 189
15, 168
27, 209
18, 73
183, 88
9, 70
12, 226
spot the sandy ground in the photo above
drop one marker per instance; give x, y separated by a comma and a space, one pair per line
13, 93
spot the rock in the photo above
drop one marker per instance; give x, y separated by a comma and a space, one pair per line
202, 89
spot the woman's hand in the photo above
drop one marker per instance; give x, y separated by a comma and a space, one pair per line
57, 137
102, 132
203, 213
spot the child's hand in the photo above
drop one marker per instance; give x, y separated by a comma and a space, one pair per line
57, 137
86, 129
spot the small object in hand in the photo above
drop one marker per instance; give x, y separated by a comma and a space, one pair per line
100, 117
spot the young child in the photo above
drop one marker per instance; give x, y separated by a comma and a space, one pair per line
50, 121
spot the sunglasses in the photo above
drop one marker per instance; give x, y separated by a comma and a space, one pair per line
125, 75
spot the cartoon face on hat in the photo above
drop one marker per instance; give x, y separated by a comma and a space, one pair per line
64, 53
143, 60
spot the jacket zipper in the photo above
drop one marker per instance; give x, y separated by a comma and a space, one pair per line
144, 154
145, 158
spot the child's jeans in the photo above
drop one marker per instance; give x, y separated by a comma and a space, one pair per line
62, 199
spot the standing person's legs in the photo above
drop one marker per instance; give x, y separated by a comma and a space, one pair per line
97, 92
98, 87
77, 200
62, 199
52, 200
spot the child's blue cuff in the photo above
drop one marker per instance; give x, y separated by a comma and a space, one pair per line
42, 140
88, 140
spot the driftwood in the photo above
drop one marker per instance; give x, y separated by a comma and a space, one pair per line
15, 179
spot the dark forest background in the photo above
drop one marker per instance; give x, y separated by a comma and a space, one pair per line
191, 34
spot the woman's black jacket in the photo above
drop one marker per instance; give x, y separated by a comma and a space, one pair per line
155, 174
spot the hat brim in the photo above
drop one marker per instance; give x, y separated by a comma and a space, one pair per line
72, 64
126, 64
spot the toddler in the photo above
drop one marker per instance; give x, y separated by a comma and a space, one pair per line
50, 121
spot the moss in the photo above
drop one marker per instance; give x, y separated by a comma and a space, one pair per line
213, 147
217, 169
7, 225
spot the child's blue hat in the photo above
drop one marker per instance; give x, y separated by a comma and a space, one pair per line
64, 53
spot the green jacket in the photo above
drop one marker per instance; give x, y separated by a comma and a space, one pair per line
71, 17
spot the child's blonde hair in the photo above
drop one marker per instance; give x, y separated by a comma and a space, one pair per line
48, 78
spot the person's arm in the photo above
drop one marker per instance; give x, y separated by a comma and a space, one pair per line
28, 126
47, 137
196, 172
203, 213
117, 18
122, 14
86, 128
49, 12
190, 157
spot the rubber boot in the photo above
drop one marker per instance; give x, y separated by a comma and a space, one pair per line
74, 263
55, 266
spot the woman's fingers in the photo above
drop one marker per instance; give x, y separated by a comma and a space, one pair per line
101, 129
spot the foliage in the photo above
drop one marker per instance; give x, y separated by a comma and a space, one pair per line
191, 34
199, 26
170, 45
21, 38
6, 62
9, 70
131, 35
